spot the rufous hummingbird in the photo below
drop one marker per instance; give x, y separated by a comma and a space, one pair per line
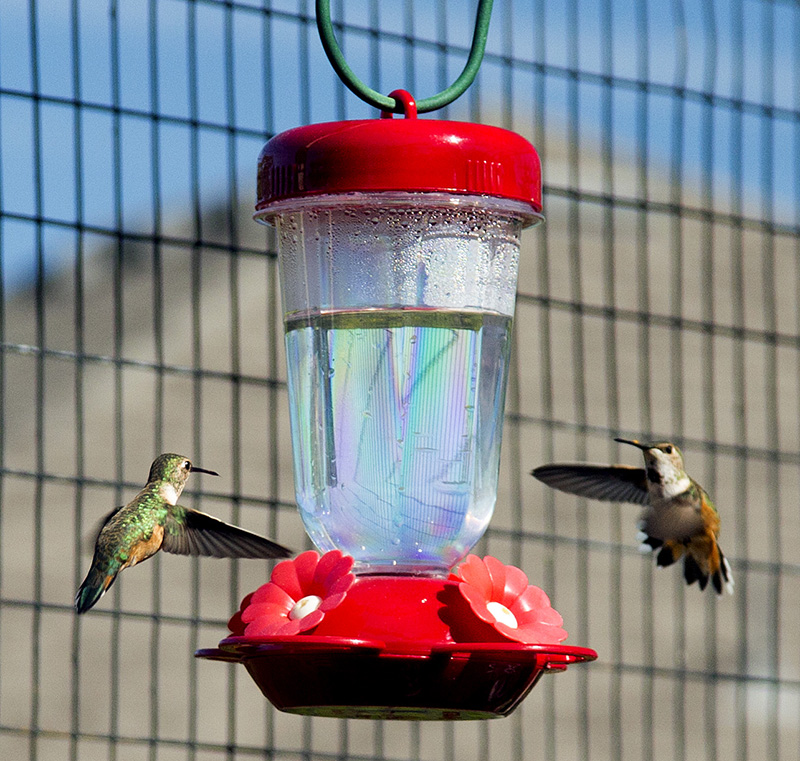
153, 521
679, 518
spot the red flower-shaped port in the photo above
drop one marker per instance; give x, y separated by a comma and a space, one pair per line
235, 623
299, 594
500, 596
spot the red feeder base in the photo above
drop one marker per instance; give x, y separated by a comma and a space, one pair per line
352, 679
389, 652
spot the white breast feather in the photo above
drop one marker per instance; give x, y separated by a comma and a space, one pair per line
169, 493
672, 488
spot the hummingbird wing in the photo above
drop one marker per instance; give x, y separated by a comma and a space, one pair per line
90, 540
611, 483
190, 532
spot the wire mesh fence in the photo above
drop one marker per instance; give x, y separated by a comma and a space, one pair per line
139, 313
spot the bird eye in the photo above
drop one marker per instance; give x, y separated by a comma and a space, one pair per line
667, 450
186, 464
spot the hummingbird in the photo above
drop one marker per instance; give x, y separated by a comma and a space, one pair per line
679, 519
153, 520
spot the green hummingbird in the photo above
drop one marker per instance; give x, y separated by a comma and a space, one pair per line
679, 518
153, 520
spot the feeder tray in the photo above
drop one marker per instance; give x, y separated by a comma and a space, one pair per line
404, 662
364, 679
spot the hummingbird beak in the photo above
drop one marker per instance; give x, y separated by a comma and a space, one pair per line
195, 469
634, 443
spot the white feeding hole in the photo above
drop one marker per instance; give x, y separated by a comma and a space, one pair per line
502, 614
306, 605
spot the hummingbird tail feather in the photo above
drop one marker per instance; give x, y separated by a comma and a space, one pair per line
704, 561
722, 578
647, 543
693, 572
670, 552
93, 588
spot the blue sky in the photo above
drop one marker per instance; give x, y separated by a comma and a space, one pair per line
741, 80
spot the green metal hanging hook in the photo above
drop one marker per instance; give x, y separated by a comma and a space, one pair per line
384, 103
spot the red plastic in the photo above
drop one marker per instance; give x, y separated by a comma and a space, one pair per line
410, 154
352, 679
269, 610
397, 646
486, 582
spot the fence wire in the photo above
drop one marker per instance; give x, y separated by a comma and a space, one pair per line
139, 313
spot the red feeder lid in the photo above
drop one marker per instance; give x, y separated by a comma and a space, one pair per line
407, 154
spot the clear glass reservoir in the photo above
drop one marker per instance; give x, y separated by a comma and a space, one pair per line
398, 311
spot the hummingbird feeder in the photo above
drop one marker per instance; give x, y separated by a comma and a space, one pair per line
398, 246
